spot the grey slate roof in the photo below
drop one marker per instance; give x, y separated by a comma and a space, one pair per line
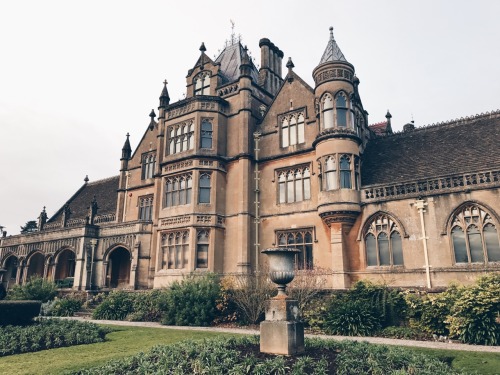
462, 146
230, 61
332, 52
105, 192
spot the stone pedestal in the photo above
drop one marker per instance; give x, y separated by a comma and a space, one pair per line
282, 332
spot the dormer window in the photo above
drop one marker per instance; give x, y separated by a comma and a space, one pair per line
202, 84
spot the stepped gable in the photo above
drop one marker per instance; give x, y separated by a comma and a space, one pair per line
104, 190
455, 147
230, 60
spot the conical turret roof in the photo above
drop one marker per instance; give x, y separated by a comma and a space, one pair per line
332, 52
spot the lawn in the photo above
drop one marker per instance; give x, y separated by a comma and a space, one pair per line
126, 341
122, 342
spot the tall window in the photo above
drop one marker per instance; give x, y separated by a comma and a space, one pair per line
383, 243
302, 240
292, 130
146, 208
474, 236
148, 165
202, 84
345, 172
206, 134
294, 185
331, 173
175, 250
180, 137
356, 172
202, 245
204, 189
341, 104
178, 190
327, 111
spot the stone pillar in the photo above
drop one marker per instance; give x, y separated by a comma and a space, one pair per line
339, 257
282, 332
133, 266
80, 279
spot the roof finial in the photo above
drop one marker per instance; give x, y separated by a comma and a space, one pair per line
86, 179
202, 47
331, 33
233, 37
289, 64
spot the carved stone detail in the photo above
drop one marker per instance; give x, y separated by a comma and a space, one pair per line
175, 220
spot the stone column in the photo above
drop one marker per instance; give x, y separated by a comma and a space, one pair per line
339, 257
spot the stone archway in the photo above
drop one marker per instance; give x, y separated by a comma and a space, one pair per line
9, 278
36, 265
118, 272
65, 267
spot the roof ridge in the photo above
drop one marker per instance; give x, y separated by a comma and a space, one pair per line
102, 180
457, 121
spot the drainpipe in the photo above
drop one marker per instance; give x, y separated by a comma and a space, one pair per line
93, 243
256, 137
126, 197
420, 204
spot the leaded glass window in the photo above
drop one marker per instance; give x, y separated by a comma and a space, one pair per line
383, 244
302, 240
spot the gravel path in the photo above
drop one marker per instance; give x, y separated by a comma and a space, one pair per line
373, 340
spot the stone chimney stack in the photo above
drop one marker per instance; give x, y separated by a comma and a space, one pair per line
271, 61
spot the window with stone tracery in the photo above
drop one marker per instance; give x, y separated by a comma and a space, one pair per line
294, 185
383, 244
202, 84
341, 171
202, 247
337, 112
206, 134
299, 239
148, 165
180, 137
292, 130
178, 190
474, 236
146, 207
175, 249
327, 111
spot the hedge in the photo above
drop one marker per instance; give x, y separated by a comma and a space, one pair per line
18, 312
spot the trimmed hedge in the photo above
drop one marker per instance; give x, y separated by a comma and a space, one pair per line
18, 312
48, 334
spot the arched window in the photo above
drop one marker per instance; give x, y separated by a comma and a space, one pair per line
285, 133
327, 112
180, 137
345, 172
175, 250
202, 84
383, 243
474, 236
204, 189
292, 130
356, 172
331, 174
299, 239
341, 104
202, 246
148, 165
146, 208
206, 134
178, 190
294, 185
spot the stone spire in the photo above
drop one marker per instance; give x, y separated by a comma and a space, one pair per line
164, 97
332, 52
152, 123
126, 150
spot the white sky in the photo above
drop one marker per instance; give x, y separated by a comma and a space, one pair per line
76, 76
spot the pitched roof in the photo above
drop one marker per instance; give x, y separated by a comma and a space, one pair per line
379, 128
459, 146
230, 61
332, 52
105, 192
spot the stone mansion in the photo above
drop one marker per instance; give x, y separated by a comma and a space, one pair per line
257, 158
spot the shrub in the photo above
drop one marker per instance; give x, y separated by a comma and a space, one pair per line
474, 315
314, 313
36, 289
3, 292
349, 317
18, 312
116, 306
430, 311
146, 306
227, 310
48, 334
192, 301
66, 306
307, 285
250, 293
407, 333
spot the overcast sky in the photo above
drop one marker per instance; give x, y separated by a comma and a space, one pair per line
76, 76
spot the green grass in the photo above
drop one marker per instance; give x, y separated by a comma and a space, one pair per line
122, 342
470, 362
127, 341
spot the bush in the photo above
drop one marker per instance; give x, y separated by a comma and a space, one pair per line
146, 306
18, 312
67, 306
250, 294
474, 317
406, 333
349, 317
36, 289
191, 302
429, 312
314, 313
116, 306
3, 292
48, 334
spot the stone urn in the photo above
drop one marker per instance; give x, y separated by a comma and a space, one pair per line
281, 267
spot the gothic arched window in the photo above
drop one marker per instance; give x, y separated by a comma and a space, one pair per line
327, 111
292, 130
202, 84
148, 165
206, 134
383, 243
341, 104
204, 189
474, 236
331, 174
345, 172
